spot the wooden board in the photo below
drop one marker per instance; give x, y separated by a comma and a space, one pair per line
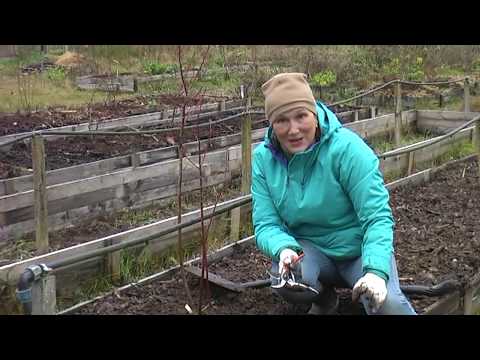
440, 122
132, 121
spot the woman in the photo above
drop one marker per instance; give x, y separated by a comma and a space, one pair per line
317, 190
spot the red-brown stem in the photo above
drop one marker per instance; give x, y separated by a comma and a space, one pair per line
179, 188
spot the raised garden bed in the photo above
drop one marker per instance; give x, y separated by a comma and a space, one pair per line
436, 237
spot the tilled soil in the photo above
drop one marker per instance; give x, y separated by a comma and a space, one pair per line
437, 236
12, 123
75, 150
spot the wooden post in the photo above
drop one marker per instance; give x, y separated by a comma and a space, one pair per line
134, 159
466, 95
246, 154
476, 142
235, 224
112, 264
398, 113
468, 301
44, 298
372, 111
411, 160
223, 105
355, 115
40, 194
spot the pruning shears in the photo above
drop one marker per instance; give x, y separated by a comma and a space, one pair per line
287, 280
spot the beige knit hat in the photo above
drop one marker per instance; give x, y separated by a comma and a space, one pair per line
285, 92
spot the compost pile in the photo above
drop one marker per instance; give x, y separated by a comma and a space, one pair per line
437, 237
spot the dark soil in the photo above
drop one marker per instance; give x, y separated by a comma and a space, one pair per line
437, 236
74, 150
12, 123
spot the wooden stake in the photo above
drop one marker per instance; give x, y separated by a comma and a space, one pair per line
476, 142
40, 194
411, 160
44, 298
466, 95
372, 111
398, 113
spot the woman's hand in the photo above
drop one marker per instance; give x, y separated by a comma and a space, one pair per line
374, 288
287, 257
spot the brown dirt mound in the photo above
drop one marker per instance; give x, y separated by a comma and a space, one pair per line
70, 59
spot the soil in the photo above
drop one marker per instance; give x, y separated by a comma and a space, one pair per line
437, 236
12, 123
74, 150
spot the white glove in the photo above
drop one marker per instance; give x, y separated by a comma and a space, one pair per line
287, 256
374, 288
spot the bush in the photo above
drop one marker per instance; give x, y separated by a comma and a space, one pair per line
56, 74
155, 68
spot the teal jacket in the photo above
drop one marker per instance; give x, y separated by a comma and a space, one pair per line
331, 194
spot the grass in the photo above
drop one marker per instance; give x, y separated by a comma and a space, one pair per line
37, 91
456, 151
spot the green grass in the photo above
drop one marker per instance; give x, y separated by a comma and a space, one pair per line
384, 144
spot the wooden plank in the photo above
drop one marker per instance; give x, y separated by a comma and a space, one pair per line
215, 279
40, 194
400, 163
165, 171
424, 176
24, 183
74, 217
10, 273
212, 257
441, 122
132, 121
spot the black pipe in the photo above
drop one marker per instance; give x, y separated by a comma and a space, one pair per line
442, 288
24, 290
445, 287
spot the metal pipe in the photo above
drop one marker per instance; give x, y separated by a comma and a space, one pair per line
108, 249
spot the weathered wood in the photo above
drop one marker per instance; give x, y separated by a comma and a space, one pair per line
373, 112
400, 163
398, 113
476, 141
246, 154
355, 117
440, 122
235, 224
411, 156
130, 121
44, 297
10, 273
40, 194
466, 95
215, 279
447, 305
113, 263
212, 257
24, 183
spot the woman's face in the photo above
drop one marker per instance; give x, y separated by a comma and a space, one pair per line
295, 129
